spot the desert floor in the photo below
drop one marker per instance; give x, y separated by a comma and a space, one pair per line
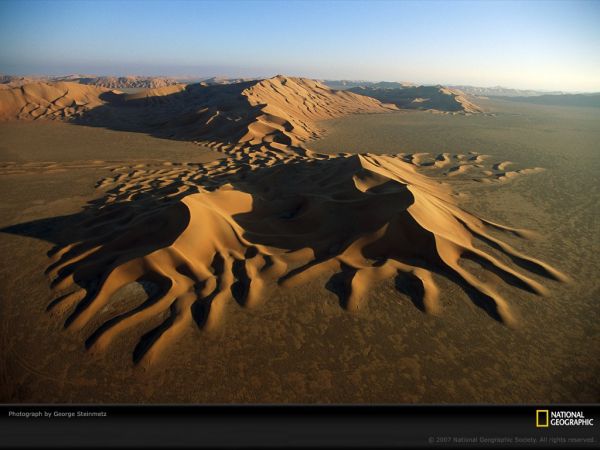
299, 346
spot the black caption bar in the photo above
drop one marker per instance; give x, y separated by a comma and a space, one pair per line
64, 426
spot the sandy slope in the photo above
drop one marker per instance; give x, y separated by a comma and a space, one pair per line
279, 109
110, 82
126, 82
197, 236
48, 100
210, 235
291, 107
460, 97
435, 98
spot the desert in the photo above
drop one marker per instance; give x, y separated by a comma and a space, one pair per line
270, 234
289, 222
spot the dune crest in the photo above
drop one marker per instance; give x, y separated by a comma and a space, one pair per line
54, 101
275, 115
434, 98
292, 106
124, 82
199, 236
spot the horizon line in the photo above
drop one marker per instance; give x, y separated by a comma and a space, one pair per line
200, 78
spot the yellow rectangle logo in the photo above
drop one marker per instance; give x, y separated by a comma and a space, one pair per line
541, 418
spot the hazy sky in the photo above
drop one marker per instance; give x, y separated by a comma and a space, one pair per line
545, 45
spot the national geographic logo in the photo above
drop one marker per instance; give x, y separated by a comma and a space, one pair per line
545, 418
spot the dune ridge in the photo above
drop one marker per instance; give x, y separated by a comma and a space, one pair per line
279, 110
206, 236
297, 104
125, 82
433, 98
278, 114
199, 237
110, 82
53, 101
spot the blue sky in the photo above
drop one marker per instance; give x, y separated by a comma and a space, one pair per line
536, 44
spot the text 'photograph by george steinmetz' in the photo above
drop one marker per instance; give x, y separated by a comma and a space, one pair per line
300, 203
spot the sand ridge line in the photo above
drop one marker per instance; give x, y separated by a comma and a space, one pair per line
198, 237
225, 231
280, 110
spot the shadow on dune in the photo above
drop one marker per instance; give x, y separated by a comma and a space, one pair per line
195, 240
420, 97
281, 110
198, 236
99, 239
191, 112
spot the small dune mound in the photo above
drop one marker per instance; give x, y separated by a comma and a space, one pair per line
208, 235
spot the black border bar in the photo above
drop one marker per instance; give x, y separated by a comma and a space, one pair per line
273, 426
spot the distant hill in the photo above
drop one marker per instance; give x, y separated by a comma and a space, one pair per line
499, 91
10, 81
7, 79
283, 110
56, 101
224, 80
122, 82
108, 82
349, 84
585, 100
437, 98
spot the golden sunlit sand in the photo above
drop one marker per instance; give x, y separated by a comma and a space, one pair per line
272, 211
172, 255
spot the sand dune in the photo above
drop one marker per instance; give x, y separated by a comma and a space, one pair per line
11, 81
280, 109
460, 97
61, 101
294, 105
125, 82
110, 82
198, 236
225, 80
437, 98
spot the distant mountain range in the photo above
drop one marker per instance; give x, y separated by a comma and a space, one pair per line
126, 82
583, 100
280, 110
495, 91
349, 84
403, 94
111, 82
554, 98
454, 98
499, 91
408, 95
